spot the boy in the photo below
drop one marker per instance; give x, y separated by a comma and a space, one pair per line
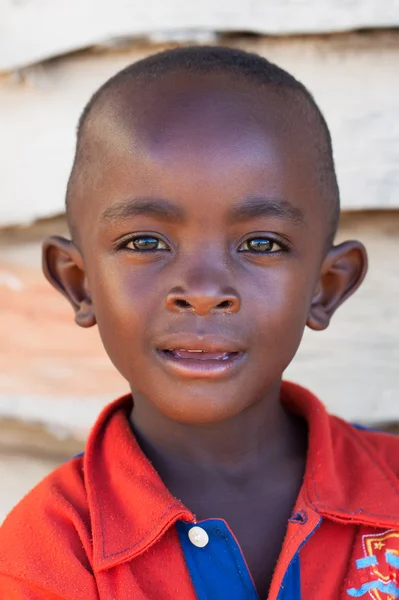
202, 207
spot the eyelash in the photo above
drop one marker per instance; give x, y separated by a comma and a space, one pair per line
282, 247
123, 245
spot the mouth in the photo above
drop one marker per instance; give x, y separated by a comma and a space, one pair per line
201, 362
184, 354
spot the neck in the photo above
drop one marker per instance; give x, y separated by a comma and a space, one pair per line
258, 440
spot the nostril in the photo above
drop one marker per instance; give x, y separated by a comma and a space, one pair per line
201, 304
182, 303
225, 304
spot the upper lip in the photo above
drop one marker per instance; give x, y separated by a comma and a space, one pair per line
207, 343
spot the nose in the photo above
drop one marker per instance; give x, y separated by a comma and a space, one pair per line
202, 303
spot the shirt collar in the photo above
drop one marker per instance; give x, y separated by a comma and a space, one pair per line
346, 479
130, 507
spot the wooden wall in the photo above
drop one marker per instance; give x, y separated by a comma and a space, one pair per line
354, 78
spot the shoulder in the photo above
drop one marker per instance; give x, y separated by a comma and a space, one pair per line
385, 444
61, 494
381, 445
48, 529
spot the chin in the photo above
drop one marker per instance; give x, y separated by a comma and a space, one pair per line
200, 412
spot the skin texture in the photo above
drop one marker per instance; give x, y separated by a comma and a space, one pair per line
207, 146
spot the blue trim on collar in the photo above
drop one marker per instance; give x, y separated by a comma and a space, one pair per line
78, 455
373, 429
218, 571
291, 586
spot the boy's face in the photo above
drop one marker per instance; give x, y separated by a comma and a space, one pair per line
201, 226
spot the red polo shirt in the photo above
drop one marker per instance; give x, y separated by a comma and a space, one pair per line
104, 527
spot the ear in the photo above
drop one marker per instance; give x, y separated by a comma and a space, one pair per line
63, 267
342, 272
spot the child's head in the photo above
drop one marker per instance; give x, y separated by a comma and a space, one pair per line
202, 205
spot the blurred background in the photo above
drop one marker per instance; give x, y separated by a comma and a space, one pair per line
55, 377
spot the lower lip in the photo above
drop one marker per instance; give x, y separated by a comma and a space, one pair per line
196, 368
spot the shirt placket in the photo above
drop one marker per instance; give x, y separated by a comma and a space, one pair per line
217, 566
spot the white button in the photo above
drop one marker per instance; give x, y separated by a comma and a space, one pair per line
198, 537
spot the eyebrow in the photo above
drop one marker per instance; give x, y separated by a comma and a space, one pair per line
158, 208
254, 207
251, 208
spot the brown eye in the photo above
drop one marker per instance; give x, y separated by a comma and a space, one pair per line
146, 243
260, 245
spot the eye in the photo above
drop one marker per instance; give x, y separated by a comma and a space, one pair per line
144, 243
261, 245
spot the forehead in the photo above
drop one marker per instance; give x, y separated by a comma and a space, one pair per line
207, 112
186, 137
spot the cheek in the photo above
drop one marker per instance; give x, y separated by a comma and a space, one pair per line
118, 287
123, 306
281, 295
279, 310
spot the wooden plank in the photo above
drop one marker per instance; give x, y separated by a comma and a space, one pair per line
354, 78
39, 29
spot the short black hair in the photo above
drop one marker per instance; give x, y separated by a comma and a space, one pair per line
225, 61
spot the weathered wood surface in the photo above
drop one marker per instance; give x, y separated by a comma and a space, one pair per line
39, 29
354, 78
53, 372
27, 453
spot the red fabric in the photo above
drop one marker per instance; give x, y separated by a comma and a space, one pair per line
100, 527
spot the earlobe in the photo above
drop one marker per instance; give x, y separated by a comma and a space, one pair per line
342, 272
63, 267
